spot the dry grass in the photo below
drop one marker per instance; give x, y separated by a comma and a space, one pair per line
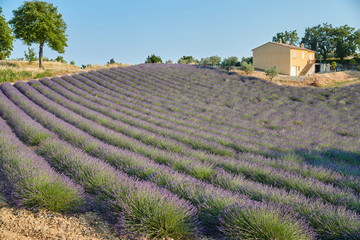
333, 79
11, 71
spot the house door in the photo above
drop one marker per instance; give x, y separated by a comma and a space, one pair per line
293, 71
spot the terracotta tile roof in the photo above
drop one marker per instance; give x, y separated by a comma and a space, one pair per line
285, 45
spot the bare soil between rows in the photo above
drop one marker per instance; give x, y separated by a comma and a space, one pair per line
21, 224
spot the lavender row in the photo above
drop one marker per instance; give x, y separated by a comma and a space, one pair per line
342, 140
211, 201
148, 137
30, 181
319, 173
126, 198
274, 180
308, 186
316, 212
342, 167
237, 146
185, 110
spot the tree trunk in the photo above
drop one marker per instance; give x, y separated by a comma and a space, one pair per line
40, 54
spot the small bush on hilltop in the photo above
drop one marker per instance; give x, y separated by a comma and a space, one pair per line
229, 63
210, 61
188, 60
248, 68
272, 72
112, 61
60, 59
153, 59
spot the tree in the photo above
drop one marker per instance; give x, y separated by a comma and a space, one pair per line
345, 41
210, 61
30, 55
320, 39
169, 61
112, 61
286, 36
247, 59
153, 59
229, 63
60, 59
39, 22
188, 60
6, 37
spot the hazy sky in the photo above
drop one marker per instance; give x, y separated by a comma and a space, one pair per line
129, 31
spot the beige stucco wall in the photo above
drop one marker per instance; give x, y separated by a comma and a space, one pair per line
298, 61
270, 55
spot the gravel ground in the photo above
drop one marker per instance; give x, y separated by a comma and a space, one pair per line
20, 224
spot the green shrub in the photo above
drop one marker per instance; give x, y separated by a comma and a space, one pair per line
153, 59
60, 59
210, 61
169, 61
248, 68
247, 59
72, 62
30, 55
272, 72
229, 63
112, 61
188, 60
333, 65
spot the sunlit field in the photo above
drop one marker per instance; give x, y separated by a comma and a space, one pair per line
181, 151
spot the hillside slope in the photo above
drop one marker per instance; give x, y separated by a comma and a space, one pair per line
181, 151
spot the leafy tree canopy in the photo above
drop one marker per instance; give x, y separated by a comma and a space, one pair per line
153, 59
210, 61
188, 60
229, 63
6, 37
346, 41
320, 38
40, 23
325, 39
287, 36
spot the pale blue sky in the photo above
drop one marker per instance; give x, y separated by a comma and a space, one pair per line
129, 31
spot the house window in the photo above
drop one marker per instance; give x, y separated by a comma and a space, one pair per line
294, 54
303, 55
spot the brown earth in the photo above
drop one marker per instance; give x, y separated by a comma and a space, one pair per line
21, 224
332, 79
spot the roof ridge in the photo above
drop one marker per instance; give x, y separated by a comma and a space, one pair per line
286, 45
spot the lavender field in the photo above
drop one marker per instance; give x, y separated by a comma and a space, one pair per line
185, 152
